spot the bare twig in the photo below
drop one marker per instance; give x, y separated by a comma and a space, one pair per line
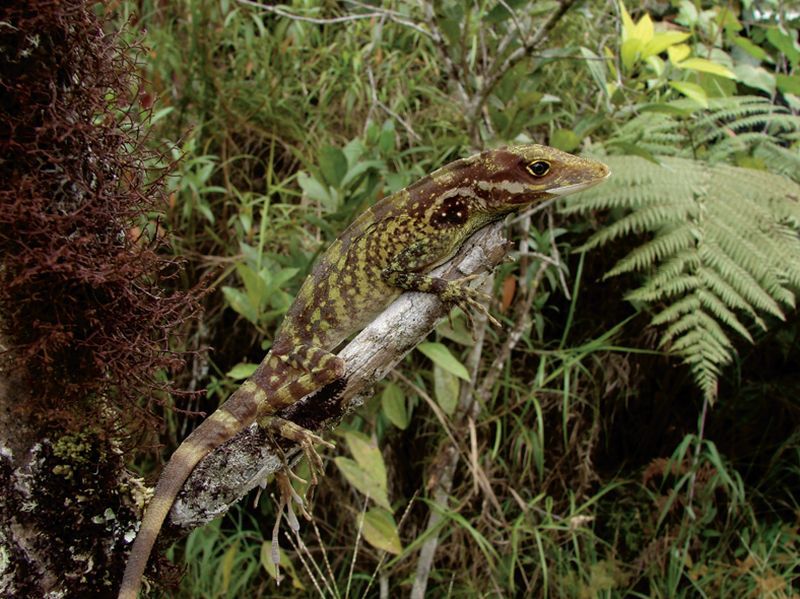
444, 55
496, 71
376, 102
374, 12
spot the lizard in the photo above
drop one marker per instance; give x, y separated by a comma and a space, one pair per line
388, 249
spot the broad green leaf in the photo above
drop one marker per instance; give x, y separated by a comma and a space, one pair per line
446, 388
241, 371
254, 285
788, 83
362, 481
629, 52
785, 42
756, 77
440, 355
644, 29
283, 275
678, 53
367, 455
752, 49
628, 28
386, 139
393, 402
663, 41
314, 189
691, 91
360, 168
564, 139
380, 531
240, 303
333, 164
706, 66
354, 149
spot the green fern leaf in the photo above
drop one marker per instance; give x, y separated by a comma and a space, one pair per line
722, 247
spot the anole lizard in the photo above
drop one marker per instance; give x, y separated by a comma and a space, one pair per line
386, 250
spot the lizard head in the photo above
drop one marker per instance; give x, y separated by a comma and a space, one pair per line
515, 176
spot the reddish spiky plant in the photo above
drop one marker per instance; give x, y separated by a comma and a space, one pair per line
83, 303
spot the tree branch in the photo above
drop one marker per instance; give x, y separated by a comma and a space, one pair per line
225, 475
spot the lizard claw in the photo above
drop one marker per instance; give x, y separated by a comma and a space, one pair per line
472, 301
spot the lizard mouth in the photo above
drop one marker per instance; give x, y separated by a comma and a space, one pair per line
568, 189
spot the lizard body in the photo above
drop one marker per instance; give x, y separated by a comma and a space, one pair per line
386, 250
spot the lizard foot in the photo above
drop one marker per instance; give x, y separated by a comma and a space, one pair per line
306, 439
469, 300
288, 496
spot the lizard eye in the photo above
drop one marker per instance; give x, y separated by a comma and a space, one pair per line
538, 168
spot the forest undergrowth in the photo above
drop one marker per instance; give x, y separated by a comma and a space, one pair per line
632, 429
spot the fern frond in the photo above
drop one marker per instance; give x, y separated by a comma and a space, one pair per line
779, 159
723, 249
663, 245
739, 279
650, 218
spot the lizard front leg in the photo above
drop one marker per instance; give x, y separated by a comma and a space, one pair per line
402, 273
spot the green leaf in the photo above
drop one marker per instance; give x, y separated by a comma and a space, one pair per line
380, 531
359, 169
226, 567
691, 91
564, 139
597, 68
629, 52
756, 77
333, 164
706, 66
752, 49
393, 402
446, 389
367, 455
662, 41
441, 356
785, 42
644, 29
678, 53
628, 28
362, 481
279, 278
254, 285
240, 303
788, 83
315, 190
386, 138
241, 371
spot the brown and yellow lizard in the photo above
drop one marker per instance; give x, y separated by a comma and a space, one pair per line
388, 249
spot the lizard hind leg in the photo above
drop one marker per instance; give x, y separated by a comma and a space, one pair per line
319, 368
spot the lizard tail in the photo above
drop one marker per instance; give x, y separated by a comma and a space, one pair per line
213, 432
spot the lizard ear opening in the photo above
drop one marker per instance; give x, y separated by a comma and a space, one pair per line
538, 168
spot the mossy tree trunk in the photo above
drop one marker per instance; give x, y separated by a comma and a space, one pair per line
85, 321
